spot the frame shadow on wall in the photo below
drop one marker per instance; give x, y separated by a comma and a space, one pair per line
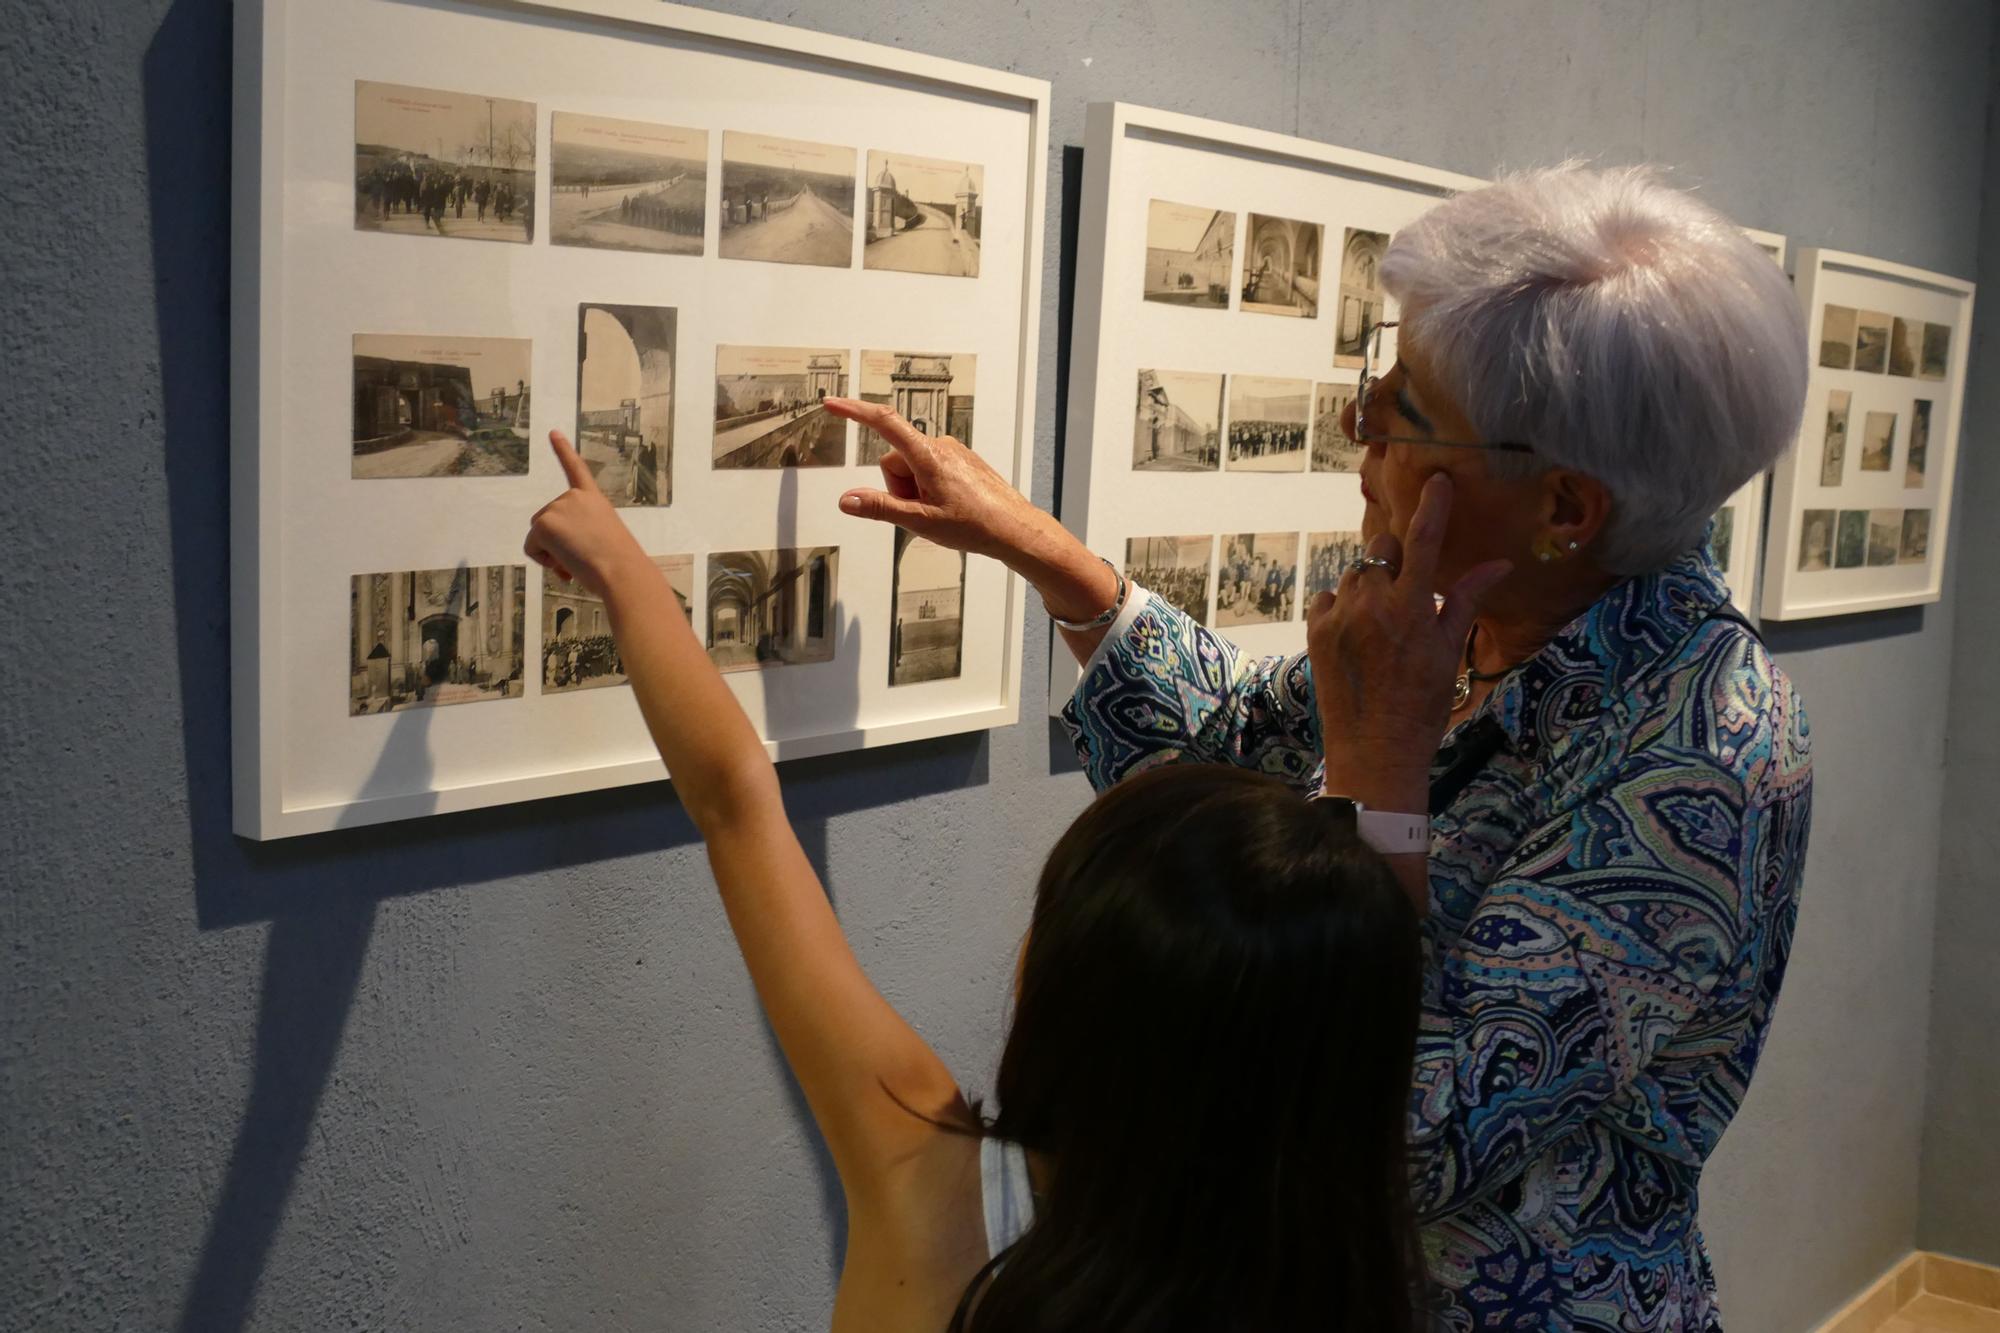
319, 895
1062, 753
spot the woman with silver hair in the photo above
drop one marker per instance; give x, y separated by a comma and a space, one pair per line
1597, 782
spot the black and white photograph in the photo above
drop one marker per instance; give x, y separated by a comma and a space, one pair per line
1360, 293
923, 215
1917, 458
1190, 254
928, 640
772, 608
933, 391
768, 409
625, 400
1871, 342
436, 406
1722, 536
1174, 569
787, 201
1836, 337
1878, 441
627, 185
578, 652
1833, 453
1885, 535
429, 637
1328, 556
1936, 358
1267, 423
1257, 579
1816, 541
1916, 545
428, 162
1850, 544
1332, 451
1177, 424
1281, 267
1905, 345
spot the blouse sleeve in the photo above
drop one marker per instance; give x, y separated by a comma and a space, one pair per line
1597, 943
1162, 688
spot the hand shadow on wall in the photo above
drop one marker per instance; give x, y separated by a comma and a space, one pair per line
320, 894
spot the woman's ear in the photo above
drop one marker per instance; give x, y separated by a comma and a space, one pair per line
1575, 507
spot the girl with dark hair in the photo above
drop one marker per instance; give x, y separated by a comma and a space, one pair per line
1203, 1093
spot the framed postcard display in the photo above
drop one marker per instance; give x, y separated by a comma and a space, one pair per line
671, 233
1223, 280
1860, 508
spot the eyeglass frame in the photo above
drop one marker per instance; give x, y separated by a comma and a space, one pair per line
1371, 342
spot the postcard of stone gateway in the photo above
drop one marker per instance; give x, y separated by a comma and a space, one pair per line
428, 162
625, 400
427, 637
930, 390
428, 405
924, 215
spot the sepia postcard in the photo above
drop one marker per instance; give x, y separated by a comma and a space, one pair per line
428, 162
927, 641
787, 201
431, 405
933, 391
1258, 578
578, 652
1190, 255
1281, 267
627, 185
1267, 423
428, 637
924, 215
1176, 425
768, 410
1174, 569
772, 608
625, 400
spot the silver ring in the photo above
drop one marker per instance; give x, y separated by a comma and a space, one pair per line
1379, 562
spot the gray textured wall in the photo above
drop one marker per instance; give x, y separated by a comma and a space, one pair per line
1961, 1162
502, 1069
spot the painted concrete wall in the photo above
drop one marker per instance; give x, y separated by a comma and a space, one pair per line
1961, 1172
503, 1069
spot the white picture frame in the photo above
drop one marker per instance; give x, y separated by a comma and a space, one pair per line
313, 268
1128, 318
1812, 568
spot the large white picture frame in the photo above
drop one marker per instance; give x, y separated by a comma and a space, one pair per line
1870, 455
1142, 307
332, 263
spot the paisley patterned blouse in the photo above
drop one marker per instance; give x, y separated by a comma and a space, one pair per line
1617, 839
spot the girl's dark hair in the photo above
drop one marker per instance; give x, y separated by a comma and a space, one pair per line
1212, 1046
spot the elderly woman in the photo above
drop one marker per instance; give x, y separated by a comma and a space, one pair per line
1600, 779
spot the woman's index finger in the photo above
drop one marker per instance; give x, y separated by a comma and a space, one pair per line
1423, 540
884, 421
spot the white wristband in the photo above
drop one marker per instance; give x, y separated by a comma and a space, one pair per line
1390, 832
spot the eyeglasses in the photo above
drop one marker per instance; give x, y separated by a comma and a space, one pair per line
1371, 348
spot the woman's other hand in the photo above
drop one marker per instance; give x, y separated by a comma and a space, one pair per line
938, 489
1385, 657
578, 534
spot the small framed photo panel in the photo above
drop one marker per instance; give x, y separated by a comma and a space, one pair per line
1268, 420
448, 165
432, 405
424, 638
923, 215
787, 201
1361, 300
1190, 255
1257, 581
927, 638
1175, 569
1177, 422
627, 185
772, 608
768, 407
625, 400
578, 651
1872, 453
1281, 263
933, 391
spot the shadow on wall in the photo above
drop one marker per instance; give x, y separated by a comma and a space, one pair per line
320, 894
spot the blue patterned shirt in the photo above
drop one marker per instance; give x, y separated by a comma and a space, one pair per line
1617, 838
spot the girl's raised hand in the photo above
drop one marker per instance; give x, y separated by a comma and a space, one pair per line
938, 488
578, 534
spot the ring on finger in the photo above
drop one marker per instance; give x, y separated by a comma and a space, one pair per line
1368, 562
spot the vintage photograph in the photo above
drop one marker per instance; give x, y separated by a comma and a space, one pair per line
1905, 339
1174, 569
1916, 547
1836, 337
1281, 267
787, 201
578, 652
772, 608
1850, 542
625, 400
1190, 254
1920, 444
1257, 578
928, 640
434, 163
1935, 361
767, 407
1267, 423
1177, 424
1722, 536
1833, 454
1360, 293
923, 215
1328, 556
1871, 342
932, 391
627, 185
428, 637
1332, 451
1885, 535
1878, 441
1816, 541
435, 406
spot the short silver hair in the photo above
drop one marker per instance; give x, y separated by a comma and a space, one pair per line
1620, 326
